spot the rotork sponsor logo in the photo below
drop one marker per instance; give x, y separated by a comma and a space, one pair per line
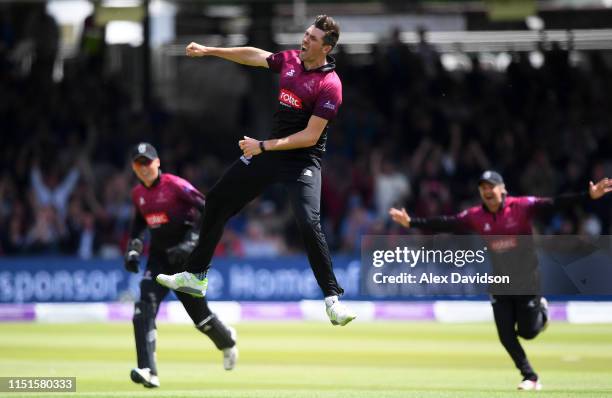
157, 219
289, 99
504, 244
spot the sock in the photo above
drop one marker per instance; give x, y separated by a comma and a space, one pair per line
201, 275
331, 300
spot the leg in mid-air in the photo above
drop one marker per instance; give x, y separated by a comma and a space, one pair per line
506, 312
145, 331
240, 184
532, 316
224, 337
305, 198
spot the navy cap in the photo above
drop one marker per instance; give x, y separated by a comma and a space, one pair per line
492, 177
144, 150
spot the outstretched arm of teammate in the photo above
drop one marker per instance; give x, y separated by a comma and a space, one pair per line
453, 224
302, 139
400, 216
602, 187
251, 56
547, 206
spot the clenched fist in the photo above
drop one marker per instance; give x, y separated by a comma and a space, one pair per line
195, 50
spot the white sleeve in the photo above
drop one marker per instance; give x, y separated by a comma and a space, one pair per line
43, 195
63, 191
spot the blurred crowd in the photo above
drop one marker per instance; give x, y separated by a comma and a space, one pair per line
410, 133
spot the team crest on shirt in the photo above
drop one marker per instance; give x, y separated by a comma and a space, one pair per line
290, 73
487, 227
141, 201
289, 99
329, 105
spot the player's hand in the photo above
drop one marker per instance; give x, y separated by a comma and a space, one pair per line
400, 216
177, 255
195, 50
132, 261
249, 146
132, 255
602, 187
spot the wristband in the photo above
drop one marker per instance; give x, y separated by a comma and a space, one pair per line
262, 146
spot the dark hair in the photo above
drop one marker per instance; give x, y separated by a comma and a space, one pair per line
331, 28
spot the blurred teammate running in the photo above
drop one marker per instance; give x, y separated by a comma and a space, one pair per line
170, 207
501, 219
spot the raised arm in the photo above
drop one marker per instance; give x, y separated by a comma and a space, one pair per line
42, 192
545, 206
602, 187
242, 55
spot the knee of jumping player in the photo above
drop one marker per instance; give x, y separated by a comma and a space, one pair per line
220, 334
219, 207
527, 334
215, 198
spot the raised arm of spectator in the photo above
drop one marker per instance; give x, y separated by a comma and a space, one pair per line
65, 188
84, 166
418, 158
376, 162
42, 192
476, 151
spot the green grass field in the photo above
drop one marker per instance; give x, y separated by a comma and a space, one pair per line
300, 359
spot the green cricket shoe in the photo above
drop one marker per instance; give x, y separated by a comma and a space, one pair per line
185, 282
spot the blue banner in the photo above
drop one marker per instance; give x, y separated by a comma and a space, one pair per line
67, 279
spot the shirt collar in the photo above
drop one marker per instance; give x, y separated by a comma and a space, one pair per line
156, 182
327, 67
